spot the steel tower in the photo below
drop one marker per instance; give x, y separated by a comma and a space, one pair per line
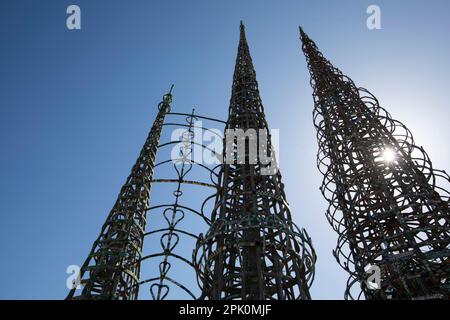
253, 250
386, 201
112, 268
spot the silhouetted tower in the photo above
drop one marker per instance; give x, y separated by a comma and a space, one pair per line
253, 250
386, 202
112, 268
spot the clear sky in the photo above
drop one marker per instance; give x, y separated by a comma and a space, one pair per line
76, 106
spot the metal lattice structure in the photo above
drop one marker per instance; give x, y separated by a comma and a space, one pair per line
112, 268
144, 249
150, 258
386, 201
253, 250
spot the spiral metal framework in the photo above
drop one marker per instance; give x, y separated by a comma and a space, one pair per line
253, 250
386, 201
174, 226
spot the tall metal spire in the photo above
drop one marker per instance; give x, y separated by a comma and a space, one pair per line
386, 201
253, 250
112, 268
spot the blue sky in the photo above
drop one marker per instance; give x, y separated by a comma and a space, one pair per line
76, 106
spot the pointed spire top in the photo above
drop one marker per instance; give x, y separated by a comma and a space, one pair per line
242, 29
306, 40
244, 93
303, 35
167, 99
301, 30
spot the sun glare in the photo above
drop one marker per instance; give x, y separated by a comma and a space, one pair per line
388, 155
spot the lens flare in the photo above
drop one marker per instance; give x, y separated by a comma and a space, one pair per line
388, 155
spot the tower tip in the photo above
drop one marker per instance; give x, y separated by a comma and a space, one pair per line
242, 30
303, 35
242, 26
167, 98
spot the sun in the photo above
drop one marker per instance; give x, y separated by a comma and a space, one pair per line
388, 155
